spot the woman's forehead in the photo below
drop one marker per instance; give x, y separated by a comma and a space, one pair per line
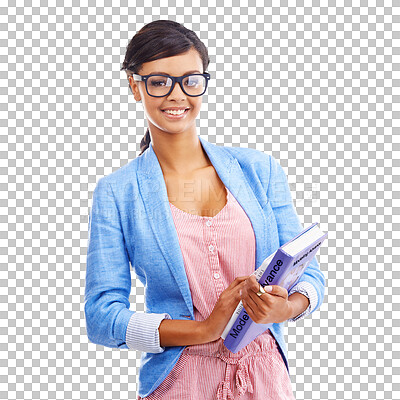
181, 64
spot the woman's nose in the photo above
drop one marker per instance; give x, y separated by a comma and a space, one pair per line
177, 91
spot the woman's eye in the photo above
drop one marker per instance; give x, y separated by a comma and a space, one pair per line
191, 82
157, 83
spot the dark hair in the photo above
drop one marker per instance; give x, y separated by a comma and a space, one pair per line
160, 39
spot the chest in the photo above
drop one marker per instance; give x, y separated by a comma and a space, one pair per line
201, 193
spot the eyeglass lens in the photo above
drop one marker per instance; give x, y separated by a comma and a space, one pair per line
193, 85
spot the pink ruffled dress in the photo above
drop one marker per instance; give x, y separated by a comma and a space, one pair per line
216, 250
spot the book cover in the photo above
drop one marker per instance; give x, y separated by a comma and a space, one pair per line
284, 267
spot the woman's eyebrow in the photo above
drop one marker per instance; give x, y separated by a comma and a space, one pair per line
186, 73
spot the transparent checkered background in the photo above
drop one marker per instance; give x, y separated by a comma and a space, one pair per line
315, 84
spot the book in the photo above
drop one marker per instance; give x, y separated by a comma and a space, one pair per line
284, 267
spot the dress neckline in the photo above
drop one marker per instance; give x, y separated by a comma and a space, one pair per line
227, 194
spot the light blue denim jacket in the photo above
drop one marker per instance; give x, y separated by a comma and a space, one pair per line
131, 225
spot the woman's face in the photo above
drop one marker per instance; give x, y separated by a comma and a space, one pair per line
189, 62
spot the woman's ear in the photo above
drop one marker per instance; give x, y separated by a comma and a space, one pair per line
134, 89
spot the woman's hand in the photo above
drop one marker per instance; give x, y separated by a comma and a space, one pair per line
270, 307
215, 324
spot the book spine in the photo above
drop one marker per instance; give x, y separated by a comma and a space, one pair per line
276, 268
234, 339
258, 274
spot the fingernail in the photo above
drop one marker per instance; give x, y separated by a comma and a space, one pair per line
268, 288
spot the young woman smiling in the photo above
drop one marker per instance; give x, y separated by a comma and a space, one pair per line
193, 220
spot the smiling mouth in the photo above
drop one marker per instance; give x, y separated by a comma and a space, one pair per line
175, 114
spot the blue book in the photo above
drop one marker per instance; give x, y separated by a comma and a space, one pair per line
284, 267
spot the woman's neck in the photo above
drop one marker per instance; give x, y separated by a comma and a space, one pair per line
179, 154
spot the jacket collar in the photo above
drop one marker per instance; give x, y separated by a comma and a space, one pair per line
155, 197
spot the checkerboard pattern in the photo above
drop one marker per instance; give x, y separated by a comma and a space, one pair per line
316, 84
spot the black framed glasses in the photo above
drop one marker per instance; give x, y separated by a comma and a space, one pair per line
192, 85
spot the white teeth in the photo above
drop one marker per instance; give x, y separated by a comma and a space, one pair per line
174, 112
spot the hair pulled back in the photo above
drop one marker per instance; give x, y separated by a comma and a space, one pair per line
160, 39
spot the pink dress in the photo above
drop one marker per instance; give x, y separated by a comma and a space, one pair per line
216, 250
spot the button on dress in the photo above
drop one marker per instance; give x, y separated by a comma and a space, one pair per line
215, 251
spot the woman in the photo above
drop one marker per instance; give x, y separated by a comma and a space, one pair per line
194, 220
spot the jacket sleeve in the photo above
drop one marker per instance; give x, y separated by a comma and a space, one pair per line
108, 279
289, 225
142, 333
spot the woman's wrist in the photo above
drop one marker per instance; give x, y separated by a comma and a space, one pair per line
297, 304
205, 332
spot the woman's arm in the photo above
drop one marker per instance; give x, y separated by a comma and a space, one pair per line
183, 333
186, 333
289, 225
108, 278
299, 304
177, 332
308, 290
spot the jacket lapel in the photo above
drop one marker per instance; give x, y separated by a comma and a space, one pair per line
155, 197
235, 180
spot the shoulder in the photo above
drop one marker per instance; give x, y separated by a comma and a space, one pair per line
260, 168
246, 154
252, 159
